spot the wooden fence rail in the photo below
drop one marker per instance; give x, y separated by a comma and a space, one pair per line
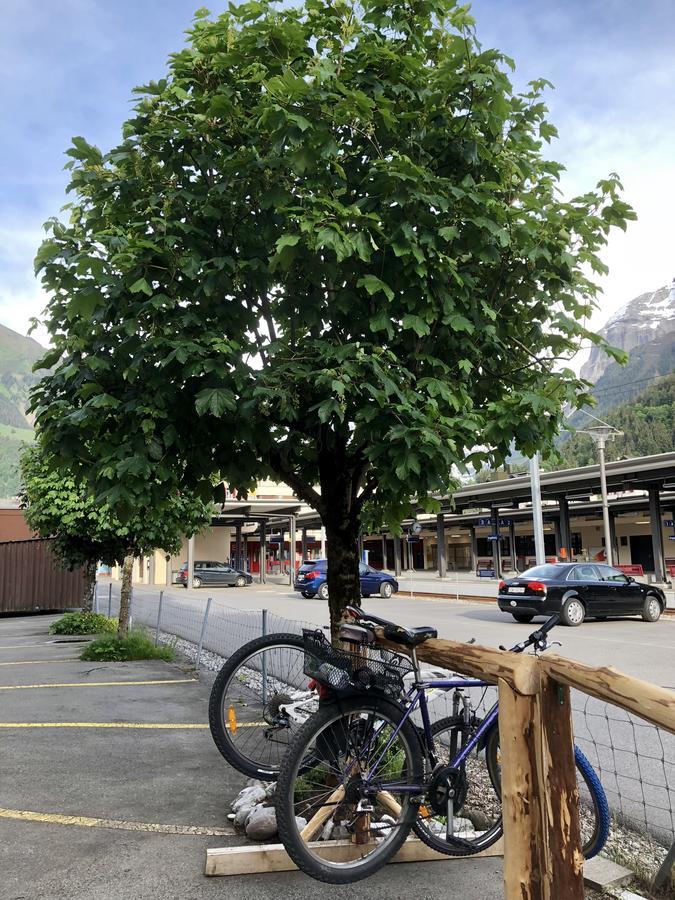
542, 844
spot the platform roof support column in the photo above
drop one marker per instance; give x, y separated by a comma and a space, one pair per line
291, 550
361, 548
191, 561
263, 551
384, 551
238, 548
303, 545
512, 545
612, 539
656, 528
397, 555
474, 549
496, 545
565, 533
440, 539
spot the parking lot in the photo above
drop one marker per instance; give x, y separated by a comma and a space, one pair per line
111, 787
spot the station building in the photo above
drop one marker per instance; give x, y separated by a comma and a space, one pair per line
482, 527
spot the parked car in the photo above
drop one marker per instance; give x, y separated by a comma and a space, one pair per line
578, 591
311, 577
215, 573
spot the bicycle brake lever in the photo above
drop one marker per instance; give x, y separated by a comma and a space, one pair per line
471, 641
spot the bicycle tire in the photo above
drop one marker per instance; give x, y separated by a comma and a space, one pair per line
345, 730
252, 753
595, 819
478, 812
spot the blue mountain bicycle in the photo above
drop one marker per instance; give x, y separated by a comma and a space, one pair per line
370, 766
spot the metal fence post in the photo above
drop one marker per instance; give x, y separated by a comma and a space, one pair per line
264, 659
110, 600
159, 617
201, 636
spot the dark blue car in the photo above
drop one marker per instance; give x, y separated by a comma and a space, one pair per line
311, 577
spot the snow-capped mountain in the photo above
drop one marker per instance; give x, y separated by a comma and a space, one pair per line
648, 318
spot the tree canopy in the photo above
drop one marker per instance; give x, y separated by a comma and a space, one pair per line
329, 248
86, 530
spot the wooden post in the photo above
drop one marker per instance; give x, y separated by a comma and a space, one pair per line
542, 844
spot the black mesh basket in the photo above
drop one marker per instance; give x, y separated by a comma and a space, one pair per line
372, 668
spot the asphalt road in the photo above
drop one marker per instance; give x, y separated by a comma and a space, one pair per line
119, 813
635, 761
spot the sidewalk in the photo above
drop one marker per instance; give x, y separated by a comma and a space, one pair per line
462, 586
100, 800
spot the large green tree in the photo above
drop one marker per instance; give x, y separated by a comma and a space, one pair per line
85, 530
329, 248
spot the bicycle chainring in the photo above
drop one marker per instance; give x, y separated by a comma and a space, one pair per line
442, 778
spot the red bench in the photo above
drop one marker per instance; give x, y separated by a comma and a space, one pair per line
631, 569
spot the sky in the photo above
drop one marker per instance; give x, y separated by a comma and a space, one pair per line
68, 69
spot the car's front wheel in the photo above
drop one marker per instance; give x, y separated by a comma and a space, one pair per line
651, 610
573, 612
240, 582
323, 591
307, 594
386, 590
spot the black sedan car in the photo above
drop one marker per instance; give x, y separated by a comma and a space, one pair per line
215, 573
578, 591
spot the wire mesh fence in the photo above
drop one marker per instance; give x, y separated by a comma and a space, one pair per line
634, 759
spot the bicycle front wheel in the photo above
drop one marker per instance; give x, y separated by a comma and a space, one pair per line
594, 816
346, 797
258, 701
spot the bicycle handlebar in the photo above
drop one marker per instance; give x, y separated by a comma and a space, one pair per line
537, 638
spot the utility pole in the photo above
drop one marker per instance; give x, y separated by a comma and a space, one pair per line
537, 517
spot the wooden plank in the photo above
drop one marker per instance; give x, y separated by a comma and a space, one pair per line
273, 858
517, 670
649, 701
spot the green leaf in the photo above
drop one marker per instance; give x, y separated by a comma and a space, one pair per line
141, 286
214, 401
373, 285
287, 240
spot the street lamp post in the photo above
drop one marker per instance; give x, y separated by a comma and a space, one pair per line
601, 433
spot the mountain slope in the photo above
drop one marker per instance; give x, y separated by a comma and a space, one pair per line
647, 422
17, 356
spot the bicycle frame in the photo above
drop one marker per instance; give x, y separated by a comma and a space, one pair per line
415, 697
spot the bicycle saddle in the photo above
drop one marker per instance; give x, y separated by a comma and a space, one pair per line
409, 637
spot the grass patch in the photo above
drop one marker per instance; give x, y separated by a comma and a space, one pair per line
137, 645
83, 623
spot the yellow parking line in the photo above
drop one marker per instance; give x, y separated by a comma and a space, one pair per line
79, 684
102, 725
147, 725
91, 822
39, 662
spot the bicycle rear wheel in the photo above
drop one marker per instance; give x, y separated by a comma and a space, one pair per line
247, 706
354, 808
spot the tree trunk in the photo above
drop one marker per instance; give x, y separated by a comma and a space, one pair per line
125, 597
344, 586
89, 587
